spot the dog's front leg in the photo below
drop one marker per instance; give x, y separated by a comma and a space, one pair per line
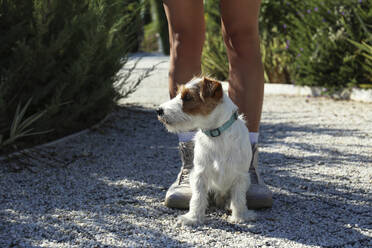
239, 210
199, 200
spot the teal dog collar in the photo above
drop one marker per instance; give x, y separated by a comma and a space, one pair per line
217, 131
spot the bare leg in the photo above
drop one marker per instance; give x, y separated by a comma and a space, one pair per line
246, 82
186, 37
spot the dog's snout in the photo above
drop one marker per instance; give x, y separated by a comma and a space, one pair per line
160, 111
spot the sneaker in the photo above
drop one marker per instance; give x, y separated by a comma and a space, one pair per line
179, 193
258, 194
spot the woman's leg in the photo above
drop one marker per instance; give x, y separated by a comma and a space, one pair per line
246, 82
186, 38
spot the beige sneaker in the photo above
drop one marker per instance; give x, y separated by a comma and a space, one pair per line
258, 194
179, 193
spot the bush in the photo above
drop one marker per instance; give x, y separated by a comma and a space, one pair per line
321, 54
150, 29
273, 21
161, 24
156, 34
303, 42
59, 59
214, 57
274, 56
366, 51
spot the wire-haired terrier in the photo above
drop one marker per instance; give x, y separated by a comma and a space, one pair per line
222, 152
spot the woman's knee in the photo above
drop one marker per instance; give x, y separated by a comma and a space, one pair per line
240, 25
187, 44
242, 42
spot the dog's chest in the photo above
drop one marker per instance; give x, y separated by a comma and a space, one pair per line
222, 158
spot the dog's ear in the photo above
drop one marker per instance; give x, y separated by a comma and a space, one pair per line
211, 88
180, 88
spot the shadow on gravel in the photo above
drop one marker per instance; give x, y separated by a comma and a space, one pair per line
310, 207
124, 174
127, 174
272, 135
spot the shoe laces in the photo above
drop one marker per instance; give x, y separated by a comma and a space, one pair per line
187, 157
184, 177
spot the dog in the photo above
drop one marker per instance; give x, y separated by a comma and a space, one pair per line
222, 152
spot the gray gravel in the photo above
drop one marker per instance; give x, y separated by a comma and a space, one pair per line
315, 155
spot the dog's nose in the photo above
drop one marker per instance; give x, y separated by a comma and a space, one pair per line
160, 111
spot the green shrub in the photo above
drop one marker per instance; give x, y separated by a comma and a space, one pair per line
161, 24
150, 38
320, 50
64, 55
214, 57
275, 60
273, 21
150, 29
303, 42
273, 15
366, 51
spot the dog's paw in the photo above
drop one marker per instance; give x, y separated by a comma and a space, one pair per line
189, 220
242, 218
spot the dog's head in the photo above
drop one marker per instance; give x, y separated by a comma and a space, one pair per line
194, 102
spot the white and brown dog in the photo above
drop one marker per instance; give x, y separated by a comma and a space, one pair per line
222, 152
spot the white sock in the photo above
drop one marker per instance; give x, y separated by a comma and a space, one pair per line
253, 137
186, 136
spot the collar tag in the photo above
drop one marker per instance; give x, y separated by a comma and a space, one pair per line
215, 132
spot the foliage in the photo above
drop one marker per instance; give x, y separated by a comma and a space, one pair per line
275, 60
272, 17
303, 42
214, 57
161, 24
150, 38
149, 41
65, 55
273, 21
366, 51
318, 36
21, 125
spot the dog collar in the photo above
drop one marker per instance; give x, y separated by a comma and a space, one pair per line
217, 131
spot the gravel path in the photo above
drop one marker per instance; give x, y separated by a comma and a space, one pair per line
315, 156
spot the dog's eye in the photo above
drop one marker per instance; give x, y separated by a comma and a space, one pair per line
187, 97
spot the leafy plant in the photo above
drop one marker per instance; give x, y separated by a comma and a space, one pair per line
321, 53
303, 42
214, 58
275, 59
65, 55
273, 16
150, 38
273, 24
366, 51
161, 24
21, 125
